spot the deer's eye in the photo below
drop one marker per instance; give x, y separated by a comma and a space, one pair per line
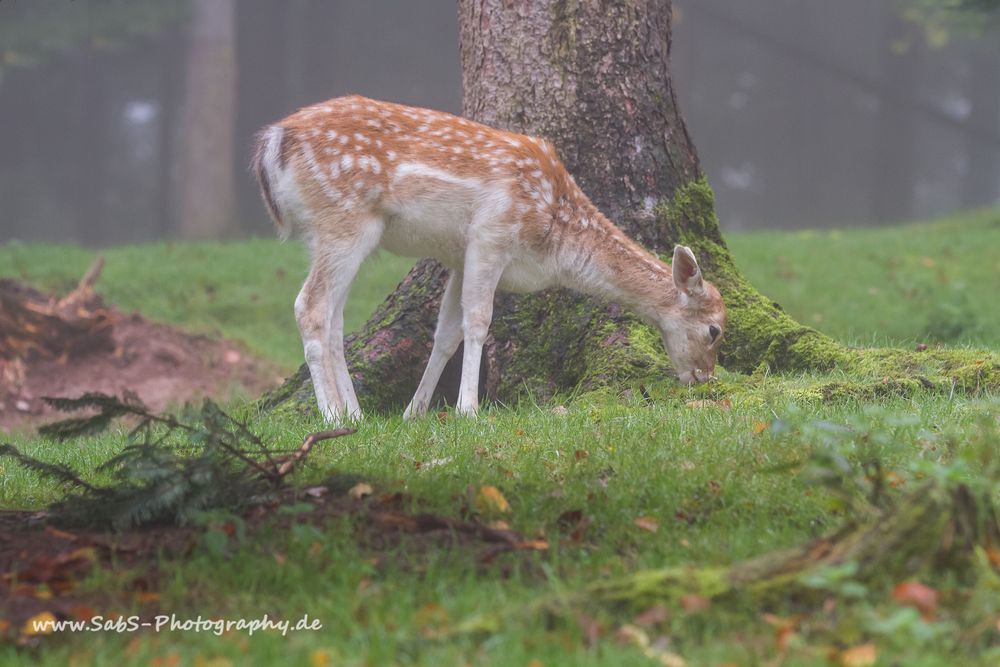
713, 332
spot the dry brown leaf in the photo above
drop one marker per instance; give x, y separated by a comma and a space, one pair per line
784, 629
144, 597
360, 490
490, 500
647, 523
534, 545
320, 658
581, 454
652, 616
759, 427
39, 624
431, 617
863, 655
694, 603
913, 593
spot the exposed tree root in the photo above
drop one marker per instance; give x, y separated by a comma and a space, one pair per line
936, 527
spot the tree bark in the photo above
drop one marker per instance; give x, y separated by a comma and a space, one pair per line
594, 78
206, 179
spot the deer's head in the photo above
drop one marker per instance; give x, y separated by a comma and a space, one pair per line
695, 321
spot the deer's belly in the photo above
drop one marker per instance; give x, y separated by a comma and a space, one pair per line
426, 233
526, 276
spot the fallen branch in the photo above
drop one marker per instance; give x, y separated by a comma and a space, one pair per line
286, 466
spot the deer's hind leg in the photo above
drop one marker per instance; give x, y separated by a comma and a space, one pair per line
319, 311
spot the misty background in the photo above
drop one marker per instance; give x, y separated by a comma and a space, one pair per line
125, 121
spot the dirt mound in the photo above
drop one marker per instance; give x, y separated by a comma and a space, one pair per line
67, 347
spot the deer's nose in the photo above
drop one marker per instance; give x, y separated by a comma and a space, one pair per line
702, 375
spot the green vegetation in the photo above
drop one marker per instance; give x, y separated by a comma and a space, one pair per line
643, 477
926, 283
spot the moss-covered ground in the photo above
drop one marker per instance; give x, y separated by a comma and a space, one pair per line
643, 476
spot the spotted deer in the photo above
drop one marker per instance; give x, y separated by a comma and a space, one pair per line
497, 208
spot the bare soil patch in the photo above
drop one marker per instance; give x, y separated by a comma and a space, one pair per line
70, 346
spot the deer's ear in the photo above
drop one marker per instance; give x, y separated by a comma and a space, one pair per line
687, 275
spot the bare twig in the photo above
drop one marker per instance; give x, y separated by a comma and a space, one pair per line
307, 445
86, 285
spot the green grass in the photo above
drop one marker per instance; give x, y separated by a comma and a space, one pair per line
719, 490
929, 283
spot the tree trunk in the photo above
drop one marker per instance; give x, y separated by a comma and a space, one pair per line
593, 78
205, 175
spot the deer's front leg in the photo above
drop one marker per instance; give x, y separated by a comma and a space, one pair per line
447, 336
479, 284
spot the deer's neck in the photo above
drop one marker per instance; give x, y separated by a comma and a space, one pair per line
602, 261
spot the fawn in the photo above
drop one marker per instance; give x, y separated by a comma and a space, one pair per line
497, 208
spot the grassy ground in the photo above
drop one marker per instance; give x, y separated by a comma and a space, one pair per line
709, 482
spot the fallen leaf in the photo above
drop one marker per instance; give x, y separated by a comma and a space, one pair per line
784, 629
490, 500
759, 427
647, 523
534, 545
652, 616
431, 617
863, 655
693, 603
360, 490
499, 525
630, 634
560, 410
61, 534
42, 623
143, 597
913, 593
581, 454
320, 658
